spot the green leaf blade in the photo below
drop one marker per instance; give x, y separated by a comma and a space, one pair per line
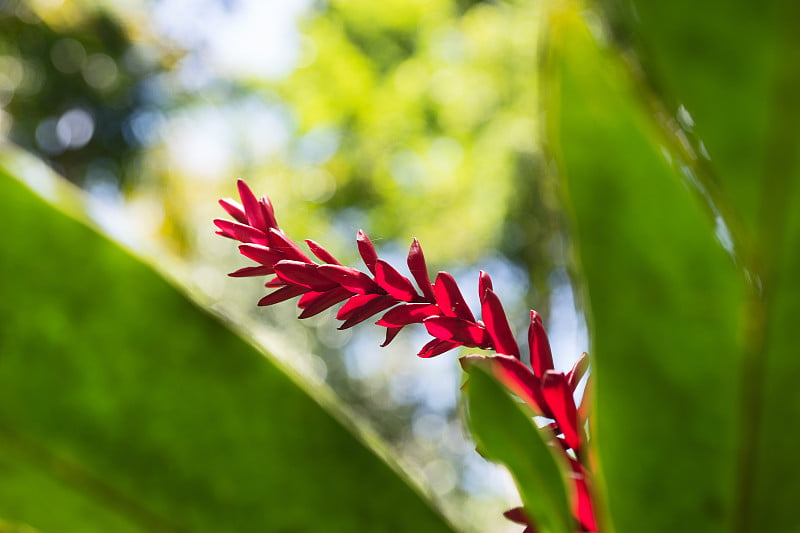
666, 300
166, 419
506, 434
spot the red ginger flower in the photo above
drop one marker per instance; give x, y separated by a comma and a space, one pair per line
438, 305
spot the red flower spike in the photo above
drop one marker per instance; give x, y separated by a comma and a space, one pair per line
405, 314
282, 244
484, 284
261, 270
583, 509
269, 212
558, 396
351, 279
436, 347
304, 275
539, 346
458, 330
418, 269
313, 305
281, 295
440, 307
240, 232
234, 209
494, 317
370, 308
393, 282
579, 369
367, 251
255, 216
391, 333
321, 252
260, 254
516, 377
449, 297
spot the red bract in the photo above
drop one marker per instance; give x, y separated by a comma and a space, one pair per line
439, 306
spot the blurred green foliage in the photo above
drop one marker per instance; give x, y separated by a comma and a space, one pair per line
68, 94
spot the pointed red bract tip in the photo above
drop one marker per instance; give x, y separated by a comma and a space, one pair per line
234, 209
494, 317
391, 333
323, 254
436, 347
539, 346
484, 284
269, 212
255, 216
419, 270
240, 232
367, 251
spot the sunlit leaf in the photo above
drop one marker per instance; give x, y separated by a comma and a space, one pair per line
125, 407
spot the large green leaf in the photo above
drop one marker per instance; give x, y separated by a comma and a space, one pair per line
696, 365
125, 407
507, 434
735, 67
665, 299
